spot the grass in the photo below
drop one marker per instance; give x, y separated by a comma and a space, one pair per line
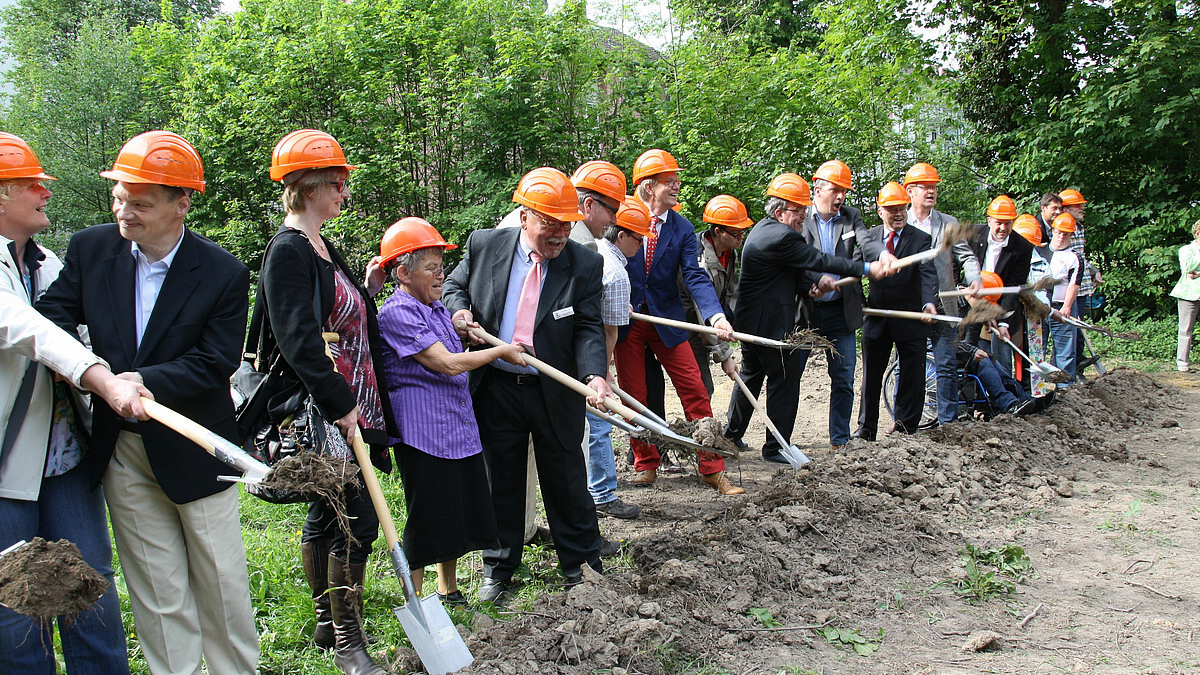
282, 601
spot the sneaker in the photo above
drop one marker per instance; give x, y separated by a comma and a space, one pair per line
618, 509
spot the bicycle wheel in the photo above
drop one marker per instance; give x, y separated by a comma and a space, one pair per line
891, 376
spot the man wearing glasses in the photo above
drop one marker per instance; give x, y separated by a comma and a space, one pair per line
533, 286
668, 254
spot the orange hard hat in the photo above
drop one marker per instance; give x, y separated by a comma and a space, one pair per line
891, 194
836, 172
600, 176
652, 163
1002, 207
409, 234
1072, 197
549, 192
991, 280
790, 187
727, 211
159, 158
921, 172
306, 149
1027, 226
634, 216
17, 159
1063, 222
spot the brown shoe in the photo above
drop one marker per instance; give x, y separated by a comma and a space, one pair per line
719, 481
645, 478
837, 448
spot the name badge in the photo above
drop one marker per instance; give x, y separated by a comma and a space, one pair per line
563, 313
848, 235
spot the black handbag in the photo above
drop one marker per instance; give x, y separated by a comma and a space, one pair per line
310, 430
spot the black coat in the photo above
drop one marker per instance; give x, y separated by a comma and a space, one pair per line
285, 291
777, 265
1012, 265
572, 341
849, 235
910, 289
191, 346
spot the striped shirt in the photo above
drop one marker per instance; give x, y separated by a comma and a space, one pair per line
614, 302
433, 411
1078, 243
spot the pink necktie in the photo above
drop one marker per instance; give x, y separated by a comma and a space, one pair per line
528, 305
891, 243
652, 242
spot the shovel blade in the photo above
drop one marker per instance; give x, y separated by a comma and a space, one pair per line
795, 457
440, 648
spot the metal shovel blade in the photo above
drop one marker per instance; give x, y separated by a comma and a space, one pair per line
795, 457
440, 647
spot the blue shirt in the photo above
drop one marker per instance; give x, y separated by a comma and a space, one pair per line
828, 245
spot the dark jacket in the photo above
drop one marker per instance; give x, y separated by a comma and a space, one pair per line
848, 231
285, 292
910, 289
776, 264
568, 332
191, 346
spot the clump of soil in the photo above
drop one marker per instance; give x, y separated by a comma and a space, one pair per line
708, 431
983, 312
1057, 377
807, 338
1035, 309
316, 476
48, 579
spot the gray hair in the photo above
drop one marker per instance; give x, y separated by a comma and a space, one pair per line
644, 188
775, 204
297, 193
822, 183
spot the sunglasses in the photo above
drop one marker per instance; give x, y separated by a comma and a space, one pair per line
339, 185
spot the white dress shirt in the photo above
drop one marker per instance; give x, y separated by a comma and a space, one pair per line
148, 282
993, 253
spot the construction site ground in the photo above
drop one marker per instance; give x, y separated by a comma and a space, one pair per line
904, 555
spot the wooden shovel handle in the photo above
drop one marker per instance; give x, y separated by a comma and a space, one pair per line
901, 263
700, 328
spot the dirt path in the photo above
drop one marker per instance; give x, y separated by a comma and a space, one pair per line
1101, 493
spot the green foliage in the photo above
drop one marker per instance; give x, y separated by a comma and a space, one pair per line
851, 637
1159, 338
990, 573
763, 616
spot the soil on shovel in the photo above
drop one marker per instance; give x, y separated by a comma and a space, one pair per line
318, 475
865, 547
45, 580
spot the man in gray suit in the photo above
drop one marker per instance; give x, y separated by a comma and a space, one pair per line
536, 287
921, 183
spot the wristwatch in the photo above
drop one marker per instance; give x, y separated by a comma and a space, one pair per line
591, 377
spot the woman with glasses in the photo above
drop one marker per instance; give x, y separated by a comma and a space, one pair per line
446, 494
307, 288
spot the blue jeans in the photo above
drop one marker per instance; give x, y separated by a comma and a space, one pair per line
1002, 390
94, 643
601, 465
945, 345
830, 321
1064, 335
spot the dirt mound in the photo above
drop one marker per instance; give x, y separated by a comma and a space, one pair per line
817, 545
47, 579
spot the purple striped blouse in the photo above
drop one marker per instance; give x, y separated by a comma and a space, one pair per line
433, 411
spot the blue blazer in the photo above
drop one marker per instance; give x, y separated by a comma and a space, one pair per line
657, 294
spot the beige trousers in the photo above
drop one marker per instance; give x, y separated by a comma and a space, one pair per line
185, 567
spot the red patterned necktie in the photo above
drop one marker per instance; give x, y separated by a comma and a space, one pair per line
891, 243
652, 241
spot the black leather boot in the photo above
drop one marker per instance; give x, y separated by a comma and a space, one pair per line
314, 555
350, 643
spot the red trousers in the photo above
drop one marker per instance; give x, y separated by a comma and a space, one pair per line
680, 364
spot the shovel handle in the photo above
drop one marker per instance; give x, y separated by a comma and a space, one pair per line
903, 314
899, 264
637, 405
215, 445
1003, 290
700, 328
759, 409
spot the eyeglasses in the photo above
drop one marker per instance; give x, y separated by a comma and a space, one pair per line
803, 210
339, 185
605, 205
439, 270
736, 234
553, 225
673, 183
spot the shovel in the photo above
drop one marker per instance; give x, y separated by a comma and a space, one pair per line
254, 471
614, 420
791, 453
1048, 370
903, 262
699, 328
637, 405
903, 314
580, 388
425, 621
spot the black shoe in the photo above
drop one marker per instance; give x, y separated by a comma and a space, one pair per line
863, 435
453, 599
572, 580
491, 589
739, 443
609, 548
1045, 401
777, 457
541, 536
618, 509
1023, 408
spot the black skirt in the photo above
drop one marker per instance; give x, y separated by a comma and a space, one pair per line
449, 506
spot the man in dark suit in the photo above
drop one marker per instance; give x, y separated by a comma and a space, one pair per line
921, 183
779, 266
1051, 205
1009, 257
669, 252
913, 288
167, 308
535, 287
837, 229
